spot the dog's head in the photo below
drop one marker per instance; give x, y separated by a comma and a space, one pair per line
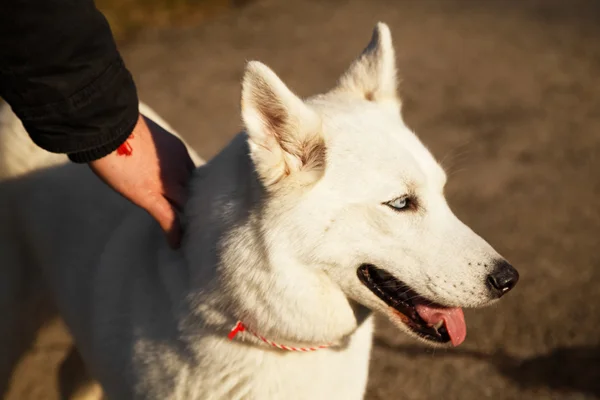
352, 192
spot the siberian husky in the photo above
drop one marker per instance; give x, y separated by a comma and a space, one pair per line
320, 213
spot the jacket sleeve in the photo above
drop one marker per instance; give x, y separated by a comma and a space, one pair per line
63, 76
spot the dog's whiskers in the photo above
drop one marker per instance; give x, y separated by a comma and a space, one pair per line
454, 156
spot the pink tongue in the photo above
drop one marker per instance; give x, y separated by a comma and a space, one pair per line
453, 318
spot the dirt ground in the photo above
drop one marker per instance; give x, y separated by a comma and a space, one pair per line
507, 93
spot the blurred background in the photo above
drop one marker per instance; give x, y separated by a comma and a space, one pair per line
506, 93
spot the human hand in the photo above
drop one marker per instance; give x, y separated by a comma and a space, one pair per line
153, 176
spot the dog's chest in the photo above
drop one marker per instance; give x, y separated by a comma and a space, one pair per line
328, 374
231, 371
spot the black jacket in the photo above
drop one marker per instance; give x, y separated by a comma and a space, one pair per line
61, 73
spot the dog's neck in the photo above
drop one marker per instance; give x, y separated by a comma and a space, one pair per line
231, 269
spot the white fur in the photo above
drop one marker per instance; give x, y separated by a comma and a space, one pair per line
278, 223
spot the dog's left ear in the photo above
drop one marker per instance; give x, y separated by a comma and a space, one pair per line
373, 74
284, 133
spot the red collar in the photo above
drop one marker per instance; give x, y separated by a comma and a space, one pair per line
240, 327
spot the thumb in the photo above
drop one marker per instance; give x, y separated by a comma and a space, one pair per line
165, 214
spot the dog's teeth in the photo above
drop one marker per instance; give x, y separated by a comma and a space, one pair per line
438, 325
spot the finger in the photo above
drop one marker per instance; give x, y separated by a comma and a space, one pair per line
184, 151
166, 216
177, 196
175, 234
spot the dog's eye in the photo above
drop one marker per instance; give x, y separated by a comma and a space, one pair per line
400, 204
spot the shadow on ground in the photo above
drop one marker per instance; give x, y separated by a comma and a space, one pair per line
564, 369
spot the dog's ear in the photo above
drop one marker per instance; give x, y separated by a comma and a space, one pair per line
373, 74
284, 133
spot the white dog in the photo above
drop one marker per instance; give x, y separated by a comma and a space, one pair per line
322, 211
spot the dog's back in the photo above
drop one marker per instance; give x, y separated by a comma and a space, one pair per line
18, 153
37, 188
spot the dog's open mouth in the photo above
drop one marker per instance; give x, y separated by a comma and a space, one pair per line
428, 320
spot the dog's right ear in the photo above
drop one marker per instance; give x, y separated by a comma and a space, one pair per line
284, 133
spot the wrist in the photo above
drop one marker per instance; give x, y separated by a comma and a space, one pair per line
96, 153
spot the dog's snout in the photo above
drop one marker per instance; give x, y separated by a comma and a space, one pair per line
502, 279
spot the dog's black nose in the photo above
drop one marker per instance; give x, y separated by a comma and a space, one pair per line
503, 279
